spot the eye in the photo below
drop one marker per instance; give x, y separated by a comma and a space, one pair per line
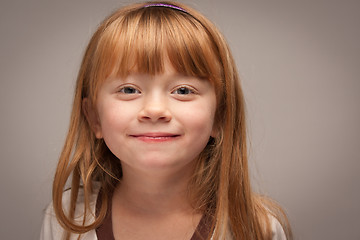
183, 91
129, 90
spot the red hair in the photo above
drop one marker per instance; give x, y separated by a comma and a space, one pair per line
137, 38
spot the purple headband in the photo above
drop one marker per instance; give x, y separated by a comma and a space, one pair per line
166, 5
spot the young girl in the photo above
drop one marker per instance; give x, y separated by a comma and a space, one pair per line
157, 142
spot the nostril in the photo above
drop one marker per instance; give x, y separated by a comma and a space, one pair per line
154, 110
154, 115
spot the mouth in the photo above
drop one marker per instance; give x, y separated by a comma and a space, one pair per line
155, 137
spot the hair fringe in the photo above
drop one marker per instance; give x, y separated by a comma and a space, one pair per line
220, 184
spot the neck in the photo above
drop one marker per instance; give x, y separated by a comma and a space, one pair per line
156, 192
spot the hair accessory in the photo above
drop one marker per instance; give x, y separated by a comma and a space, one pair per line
166, 5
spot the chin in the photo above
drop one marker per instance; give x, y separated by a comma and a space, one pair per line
161, 164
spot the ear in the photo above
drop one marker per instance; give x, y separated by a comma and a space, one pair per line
92, 117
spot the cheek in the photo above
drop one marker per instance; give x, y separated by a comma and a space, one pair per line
199, 118
114, 118
114, 122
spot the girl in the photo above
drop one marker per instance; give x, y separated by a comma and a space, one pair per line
157, 144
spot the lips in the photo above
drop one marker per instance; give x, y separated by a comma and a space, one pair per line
155, 137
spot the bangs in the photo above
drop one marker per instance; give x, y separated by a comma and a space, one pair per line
141, 40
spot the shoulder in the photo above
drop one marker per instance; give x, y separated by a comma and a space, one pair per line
273, 218
52, 230
276, 229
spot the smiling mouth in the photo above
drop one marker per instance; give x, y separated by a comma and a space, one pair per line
155, 137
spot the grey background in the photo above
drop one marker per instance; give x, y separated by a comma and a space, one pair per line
299, 63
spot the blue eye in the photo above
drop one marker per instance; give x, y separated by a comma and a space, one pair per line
183, 91
129, 90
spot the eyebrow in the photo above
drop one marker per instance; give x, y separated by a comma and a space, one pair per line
137, 76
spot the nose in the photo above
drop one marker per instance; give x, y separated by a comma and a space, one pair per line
154, 109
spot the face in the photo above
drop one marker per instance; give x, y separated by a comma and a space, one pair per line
159, 122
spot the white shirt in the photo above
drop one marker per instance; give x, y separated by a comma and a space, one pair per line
52, 230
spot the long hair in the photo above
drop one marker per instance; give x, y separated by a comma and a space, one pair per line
138, 38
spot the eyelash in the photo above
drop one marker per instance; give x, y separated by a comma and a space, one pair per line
134, 90
189, 90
